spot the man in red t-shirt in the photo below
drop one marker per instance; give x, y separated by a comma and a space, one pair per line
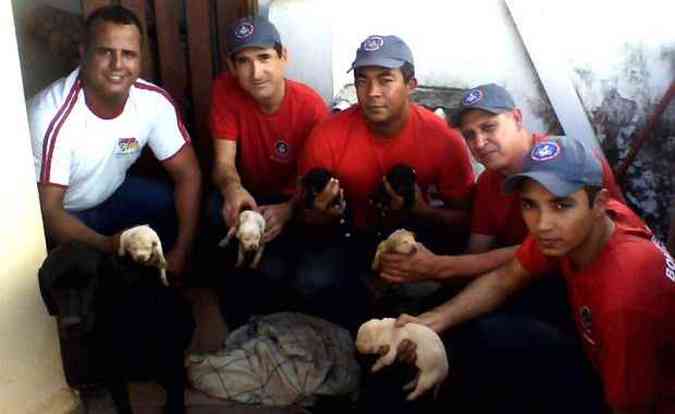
259, 121
361, 145
621, 281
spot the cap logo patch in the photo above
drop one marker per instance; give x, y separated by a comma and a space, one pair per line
473, 97
545, 151
244, 30
372, 43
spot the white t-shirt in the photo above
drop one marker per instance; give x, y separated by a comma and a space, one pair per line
74, 148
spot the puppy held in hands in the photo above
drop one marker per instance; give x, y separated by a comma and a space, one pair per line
402, 179
401, 241
143, 245
249, 232
431, 359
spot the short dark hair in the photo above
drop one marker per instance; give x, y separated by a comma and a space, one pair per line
407, 70
112, 14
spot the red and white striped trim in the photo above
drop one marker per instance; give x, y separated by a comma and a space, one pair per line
165, 94
49, 140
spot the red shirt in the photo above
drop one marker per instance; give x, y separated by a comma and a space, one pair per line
344, 145
624, 307
498, 214
268, 145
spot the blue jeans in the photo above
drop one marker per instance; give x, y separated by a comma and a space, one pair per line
137, 201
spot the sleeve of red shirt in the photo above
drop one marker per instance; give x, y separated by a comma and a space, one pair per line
316, 152
457, 179
223, 122
482, 222
532, 259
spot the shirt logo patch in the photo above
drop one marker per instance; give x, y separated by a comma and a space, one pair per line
472, 97
282, 149
244, 30
545, 151
127, 145
372, 43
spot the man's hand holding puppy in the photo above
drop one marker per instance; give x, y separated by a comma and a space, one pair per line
326, 210
419, 265
276, 216
236, 199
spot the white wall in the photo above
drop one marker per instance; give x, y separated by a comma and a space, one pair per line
31, 377
454, 43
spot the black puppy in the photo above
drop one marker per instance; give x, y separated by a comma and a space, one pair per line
313, 183
116, 323
402, 179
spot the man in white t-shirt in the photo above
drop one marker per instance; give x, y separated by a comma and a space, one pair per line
88, 128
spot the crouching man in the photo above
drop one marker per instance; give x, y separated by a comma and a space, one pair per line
621, 281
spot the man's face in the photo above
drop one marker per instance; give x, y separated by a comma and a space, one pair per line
559, 224
111, 62
495, 140
383, 94
260, 72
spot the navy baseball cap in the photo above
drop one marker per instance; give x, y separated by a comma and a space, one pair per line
489, 97
389, 52
563, 165
254, 31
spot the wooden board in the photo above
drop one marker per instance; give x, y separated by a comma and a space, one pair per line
172, 55
138, 7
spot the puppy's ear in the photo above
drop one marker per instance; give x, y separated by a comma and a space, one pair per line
158, 255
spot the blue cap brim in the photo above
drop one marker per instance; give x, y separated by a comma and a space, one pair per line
549, 180
496, 111
388, 63
261, 45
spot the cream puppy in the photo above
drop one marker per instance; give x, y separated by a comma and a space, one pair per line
143, 245
431, 359
250, 232
400, 241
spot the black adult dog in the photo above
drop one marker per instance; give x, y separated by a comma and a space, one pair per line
116, 323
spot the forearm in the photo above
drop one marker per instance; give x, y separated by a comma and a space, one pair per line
62, 227
446, 267
484, 294
225, 177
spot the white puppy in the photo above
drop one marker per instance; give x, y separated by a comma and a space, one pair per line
250, 232
431, 359
400, 241
143, 245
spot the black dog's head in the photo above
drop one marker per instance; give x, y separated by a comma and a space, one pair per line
313, 183
402, 179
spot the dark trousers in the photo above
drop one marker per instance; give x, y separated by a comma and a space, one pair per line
137, 201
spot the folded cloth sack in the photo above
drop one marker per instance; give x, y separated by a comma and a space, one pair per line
279, 360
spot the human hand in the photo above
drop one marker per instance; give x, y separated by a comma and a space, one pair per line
433, 319
236, 199
328, 204
276, 216
402, 268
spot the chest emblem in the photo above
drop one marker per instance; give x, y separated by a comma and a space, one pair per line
127, 145
282, 149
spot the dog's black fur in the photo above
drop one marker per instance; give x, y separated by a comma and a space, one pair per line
139, 330
314, 182
402, 179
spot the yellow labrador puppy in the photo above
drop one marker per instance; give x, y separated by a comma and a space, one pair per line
143, 245
431, 359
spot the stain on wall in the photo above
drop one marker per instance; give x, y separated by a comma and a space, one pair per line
620, 105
